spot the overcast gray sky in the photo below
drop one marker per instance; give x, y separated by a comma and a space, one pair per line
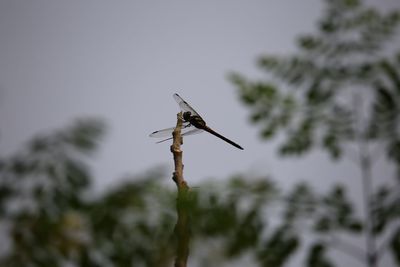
123, 60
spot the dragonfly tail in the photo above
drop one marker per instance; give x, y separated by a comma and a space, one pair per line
211, 131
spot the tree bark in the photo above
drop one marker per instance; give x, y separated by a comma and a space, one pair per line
182, 231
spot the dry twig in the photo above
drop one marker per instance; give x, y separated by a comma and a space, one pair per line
182, 231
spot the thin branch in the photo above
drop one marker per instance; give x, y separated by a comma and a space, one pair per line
181, 230
365, 164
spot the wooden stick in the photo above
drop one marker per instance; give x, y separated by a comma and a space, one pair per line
182, 231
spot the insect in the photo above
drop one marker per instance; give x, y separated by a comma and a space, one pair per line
193, 124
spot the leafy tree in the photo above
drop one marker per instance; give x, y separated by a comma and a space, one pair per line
41, 195
53, 220
340, 92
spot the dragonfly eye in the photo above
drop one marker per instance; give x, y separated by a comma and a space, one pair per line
186, 115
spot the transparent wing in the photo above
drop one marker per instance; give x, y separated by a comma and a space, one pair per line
186, 127
184, 105
162, 133
193, 131
190, 132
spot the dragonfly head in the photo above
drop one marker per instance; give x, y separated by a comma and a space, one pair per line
186, 115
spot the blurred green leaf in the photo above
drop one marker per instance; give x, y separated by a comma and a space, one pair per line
277, 249
395, 246
317, 256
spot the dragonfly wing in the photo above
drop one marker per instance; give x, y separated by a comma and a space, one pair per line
190, 132
193, 131
186, 127
162, 133
184, 105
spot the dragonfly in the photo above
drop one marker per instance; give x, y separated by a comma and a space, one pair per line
193, 123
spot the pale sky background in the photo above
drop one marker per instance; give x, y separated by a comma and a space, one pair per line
123, 60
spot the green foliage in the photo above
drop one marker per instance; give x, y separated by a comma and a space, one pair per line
312, 104
341, 87
385, 122
129, 226
302, 202
42, 189
395, 246
278, 247
53, 222
386, 209
336, 213
317, 257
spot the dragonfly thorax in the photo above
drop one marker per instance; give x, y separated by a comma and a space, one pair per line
187, 115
